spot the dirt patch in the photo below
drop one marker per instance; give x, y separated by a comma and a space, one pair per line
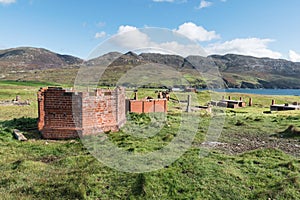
243, 143
48, 159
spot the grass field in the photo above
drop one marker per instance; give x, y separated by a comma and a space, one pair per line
257, 156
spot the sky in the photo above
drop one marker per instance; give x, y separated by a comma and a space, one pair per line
261, 28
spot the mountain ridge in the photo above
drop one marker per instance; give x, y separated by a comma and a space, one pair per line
29, 58
238, 71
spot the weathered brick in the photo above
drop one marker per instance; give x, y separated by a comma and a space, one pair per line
147, 106
64, 115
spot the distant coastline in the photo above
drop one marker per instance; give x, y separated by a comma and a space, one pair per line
282, 92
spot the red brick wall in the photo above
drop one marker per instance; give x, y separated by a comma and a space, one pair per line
136, 106
160, 105
148, 106
41, 112
103, 111
64, 114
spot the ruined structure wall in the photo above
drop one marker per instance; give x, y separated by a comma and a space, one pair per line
121, 107
41, 111
148, 106
56, 114
103, 111
65, 114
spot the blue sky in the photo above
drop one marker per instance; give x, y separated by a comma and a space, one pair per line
263, 28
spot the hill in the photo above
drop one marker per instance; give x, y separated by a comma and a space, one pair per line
28, 58
252, 72
37, 64
237, 71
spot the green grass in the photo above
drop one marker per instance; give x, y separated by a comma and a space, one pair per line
256, 162
64, 76
25, 83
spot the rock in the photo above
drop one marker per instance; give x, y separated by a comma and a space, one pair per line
213, 144
19, 135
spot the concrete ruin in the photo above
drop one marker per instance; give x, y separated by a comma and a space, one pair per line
284, 107
15, 102
70, 114
229, 103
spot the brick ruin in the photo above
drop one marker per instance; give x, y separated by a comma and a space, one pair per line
147, 105
68, 114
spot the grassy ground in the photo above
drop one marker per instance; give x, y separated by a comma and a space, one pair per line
257, 157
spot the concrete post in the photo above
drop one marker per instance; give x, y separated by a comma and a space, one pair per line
209, 109
168, 96
189, 103
135, 95
273, 102
160, 96
250, 102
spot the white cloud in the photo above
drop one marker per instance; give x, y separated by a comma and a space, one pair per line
182, 49
245, 46
204, 4
7, 1
130, 38
196, 33
293, 56
123, 29
100, 35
